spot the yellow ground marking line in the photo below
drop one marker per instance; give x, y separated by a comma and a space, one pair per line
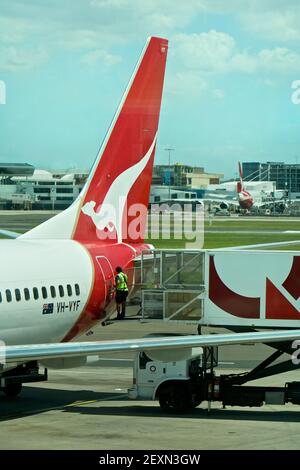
78, 403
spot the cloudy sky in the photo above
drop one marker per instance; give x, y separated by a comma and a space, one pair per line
227, 93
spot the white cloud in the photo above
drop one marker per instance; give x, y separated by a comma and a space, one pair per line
89, 26
16, 30
269, 82
208, 51
188, 82
280, 60
94, 25
91, 58
153, 13
275, 20
218, 94
282, 25
243, 62
14, 59
19, 39
80, 38
217, 52
109, 3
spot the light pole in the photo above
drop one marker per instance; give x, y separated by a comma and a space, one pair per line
296, 175
169, 150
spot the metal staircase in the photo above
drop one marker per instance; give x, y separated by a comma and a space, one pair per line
172, 285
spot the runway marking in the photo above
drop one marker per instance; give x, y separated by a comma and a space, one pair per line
80, 403
112, 397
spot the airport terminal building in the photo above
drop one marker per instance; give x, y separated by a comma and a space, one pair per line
24, 187
285, 175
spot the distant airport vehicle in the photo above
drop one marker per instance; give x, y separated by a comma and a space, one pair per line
56, 280
22, 201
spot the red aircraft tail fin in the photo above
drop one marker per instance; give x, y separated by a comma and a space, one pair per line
240, 184
117, 191
112, 205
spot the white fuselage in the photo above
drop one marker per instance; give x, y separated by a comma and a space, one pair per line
44, 286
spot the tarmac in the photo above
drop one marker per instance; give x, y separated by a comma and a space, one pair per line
88, 408
21, 221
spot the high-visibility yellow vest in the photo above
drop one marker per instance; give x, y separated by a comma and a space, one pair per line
123, 282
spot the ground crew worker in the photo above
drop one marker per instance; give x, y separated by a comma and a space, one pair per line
121, 292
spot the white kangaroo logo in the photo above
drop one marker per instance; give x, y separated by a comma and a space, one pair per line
107, 217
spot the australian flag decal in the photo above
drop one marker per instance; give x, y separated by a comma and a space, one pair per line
47, 308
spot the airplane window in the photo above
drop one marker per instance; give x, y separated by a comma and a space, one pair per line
61, 291
44, 292
69, 290
77, 289
8, 295
53, 292
18, 295
26, 294
35, 293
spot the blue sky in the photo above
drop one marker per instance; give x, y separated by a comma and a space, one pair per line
227, 91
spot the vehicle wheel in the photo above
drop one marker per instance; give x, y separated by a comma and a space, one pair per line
175, 399
12, 390
195, 401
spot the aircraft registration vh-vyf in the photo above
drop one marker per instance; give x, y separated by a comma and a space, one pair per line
56, 279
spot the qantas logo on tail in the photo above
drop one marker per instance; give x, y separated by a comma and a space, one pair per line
110, 214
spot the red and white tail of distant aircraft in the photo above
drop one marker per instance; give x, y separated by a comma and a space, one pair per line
249, 200
244, 197
245, 200
56, 280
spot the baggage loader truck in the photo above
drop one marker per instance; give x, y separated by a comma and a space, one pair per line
181, 386
243, 291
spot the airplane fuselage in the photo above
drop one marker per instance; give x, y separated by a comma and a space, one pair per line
55, 290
